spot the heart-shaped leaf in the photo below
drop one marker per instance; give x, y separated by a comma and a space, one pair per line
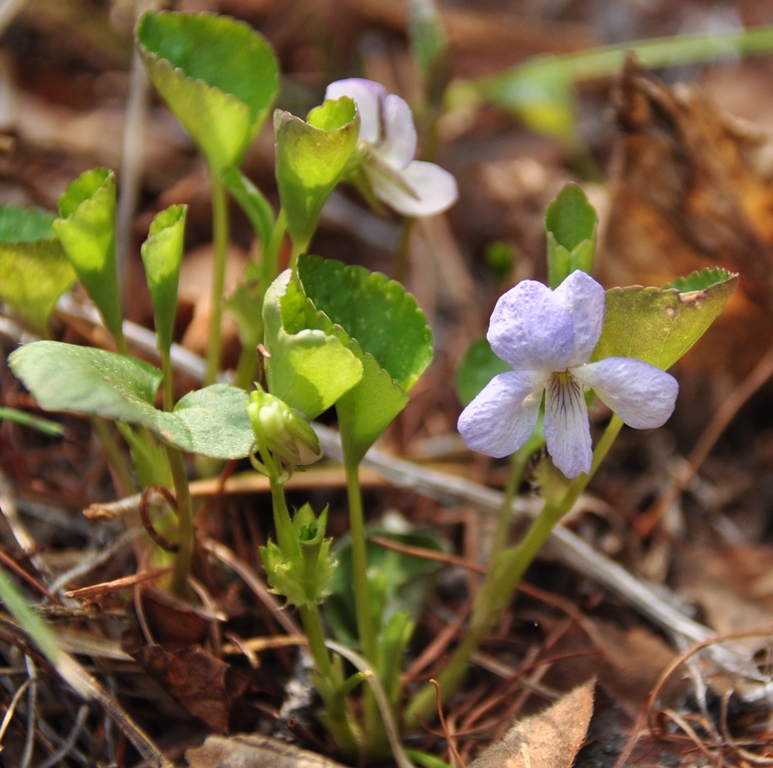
217, 75
212, 422
570, 224
310, 160
658, 325
384, 327
86, 229
307, 369
162, 255
34, 270
63, 377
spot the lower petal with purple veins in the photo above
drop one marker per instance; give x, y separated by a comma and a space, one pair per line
567, 431
503, 416
642, 395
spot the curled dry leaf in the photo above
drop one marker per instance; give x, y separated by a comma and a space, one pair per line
692, 188
550, 739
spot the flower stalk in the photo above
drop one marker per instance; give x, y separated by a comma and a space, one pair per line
502, 580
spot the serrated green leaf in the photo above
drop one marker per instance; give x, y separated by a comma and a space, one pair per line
658, 325
478, 366
211, 422
252, 201
570, 223
217, 75
162, 256
385, 329
63, 377
34, 270
309, 369
310, 160
86, 229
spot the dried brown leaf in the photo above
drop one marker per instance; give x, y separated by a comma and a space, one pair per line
692, 189
247, 750
550, 739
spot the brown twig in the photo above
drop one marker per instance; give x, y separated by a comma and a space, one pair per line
17, 569
96, 590
145, 503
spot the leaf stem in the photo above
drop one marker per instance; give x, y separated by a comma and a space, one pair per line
168, 390
501, 582
220, 243
186, 533
269, 267
360, 562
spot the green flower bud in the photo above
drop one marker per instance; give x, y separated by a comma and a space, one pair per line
282, 430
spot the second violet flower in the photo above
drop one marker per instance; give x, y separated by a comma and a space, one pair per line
387, 147
548, 338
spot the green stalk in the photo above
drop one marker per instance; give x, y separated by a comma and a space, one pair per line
518, 463
361, 587
500, 584
220, 242
608, 60
375, 733
186, 534
168, 390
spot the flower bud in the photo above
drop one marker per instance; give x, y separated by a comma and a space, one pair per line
282, 430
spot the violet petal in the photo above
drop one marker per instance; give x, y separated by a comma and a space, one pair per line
567, 431
530, 329
585, 300
434, 189
642, 395
399, 145
502, 417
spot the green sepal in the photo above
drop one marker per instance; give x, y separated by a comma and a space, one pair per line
298, 370
86, 229
310, 160
218, 76
659, 325
570, 225
383, 326
162, 255
34, 270
302, 576
281, 429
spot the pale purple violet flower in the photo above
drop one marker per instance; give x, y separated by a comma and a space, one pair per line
387, 146
548, 338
